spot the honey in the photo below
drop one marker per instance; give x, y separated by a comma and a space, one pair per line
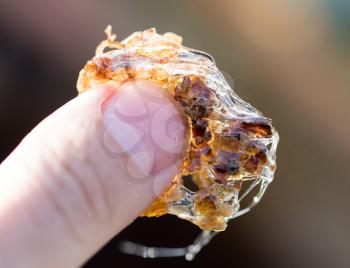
230, 142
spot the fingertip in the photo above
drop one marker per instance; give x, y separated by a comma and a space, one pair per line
103, 158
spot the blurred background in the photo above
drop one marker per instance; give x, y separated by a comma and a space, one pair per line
290, 59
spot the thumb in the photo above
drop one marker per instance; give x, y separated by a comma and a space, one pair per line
86, 172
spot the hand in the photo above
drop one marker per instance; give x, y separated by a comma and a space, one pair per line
85, 173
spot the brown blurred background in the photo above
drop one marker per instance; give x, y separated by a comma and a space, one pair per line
288, 58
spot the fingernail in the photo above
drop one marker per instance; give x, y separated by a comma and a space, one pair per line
144, 128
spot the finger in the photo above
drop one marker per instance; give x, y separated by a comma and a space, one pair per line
86, 172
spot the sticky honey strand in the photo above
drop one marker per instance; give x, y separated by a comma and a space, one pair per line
230, 142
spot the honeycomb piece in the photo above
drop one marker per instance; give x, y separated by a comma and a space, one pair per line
232, 147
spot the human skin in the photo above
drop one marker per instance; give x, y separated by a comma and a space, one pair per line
83, 174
